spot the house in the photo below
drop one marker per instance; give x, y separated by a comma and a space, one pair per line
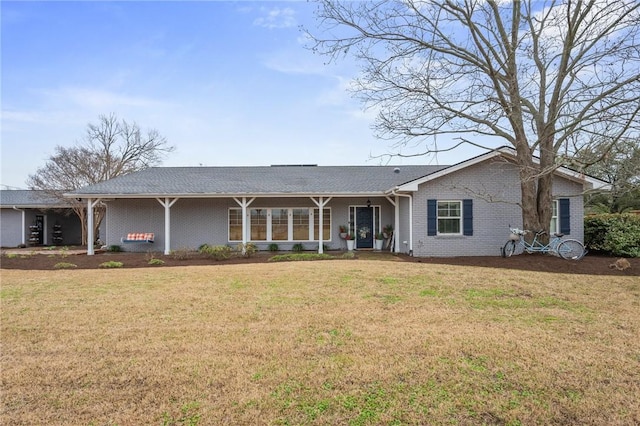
459, 210
35, 218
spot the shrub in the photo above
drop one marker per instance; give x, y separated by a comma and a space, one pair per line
12, 255
298, 247
349, 255
155, 261
299, 257
64, 265
215, 252
114, 248
111, 264
273, 247
617, 234
181, 253
247, 250
64, 251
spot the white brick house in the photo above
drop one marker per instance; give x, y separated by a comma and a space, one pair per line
459, 210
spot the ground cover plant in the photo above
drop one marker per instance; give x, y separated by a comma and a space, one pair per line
338, 342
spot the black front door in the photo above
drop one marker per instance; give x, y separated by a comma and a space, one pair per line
364, 227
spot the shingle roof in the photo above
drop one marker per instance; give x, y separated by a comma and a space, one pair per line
28, 198
274, 180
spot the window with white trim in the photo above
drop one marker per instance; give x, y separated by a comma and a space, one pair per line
258, 224
450, 217
280, 224
235, 224
300, 219
326, 224
555, 223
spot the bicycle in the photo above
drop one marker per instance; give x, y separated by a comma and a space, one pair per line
567, 249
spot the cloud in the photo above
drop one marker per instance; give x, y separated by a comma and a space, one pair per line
97, 98
276, 18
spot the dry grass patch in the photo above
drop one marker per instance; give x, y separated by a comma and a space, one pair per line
337, 342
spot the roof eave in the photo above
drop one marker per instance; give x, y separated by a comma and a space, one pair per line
230, 195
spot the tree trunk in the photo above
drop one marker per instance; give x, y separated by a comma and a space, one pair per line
536, 184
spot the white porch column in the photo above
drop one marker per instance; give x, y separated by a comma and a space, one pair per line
320, 203
394, 203
167, 203
90, 236
396, 226
244, 204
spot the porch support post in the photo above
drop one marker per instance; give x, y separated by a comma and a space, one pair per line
244, 204
396, 225
320, 203
91, 203
167, 203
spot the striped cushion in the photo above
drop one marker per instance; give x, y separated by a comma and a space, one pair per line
138, 236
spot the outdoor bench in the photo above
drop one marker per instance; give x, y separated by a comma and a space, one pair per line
138, 237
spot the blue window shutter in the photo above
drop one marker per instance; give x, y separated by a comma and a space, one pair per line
467, 217
565, 215
432, 217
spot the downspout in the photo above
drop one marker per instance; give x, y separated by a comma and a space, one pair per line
397, 240
24, 224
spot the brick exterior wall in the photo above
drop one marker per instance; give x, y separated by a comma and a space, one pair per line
11, 223
493, 186
10, 228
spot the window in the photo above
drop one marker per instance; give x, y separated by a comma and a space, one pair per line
449, 217
300, 224
554, 217
235, 224
279, 224
326, 224
258, 224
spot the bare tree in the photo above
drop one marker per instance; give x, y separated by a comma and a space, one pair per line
620, 166
110, 148
550, 78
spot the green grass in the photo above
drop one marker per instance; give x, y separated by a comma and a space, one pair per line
299, 257
354, 343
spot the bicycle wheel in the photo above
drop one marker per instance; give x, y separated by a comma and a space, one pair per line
571, 250
511, 248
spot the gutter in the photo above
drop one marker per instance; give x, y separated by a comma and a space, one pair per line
24, 229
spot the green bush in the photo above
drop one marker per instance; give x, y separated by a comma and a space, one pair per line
155, 261
64, 265
299, 257
298, 247
247, 250
273, 247
114, 248
616, 234
216, 252
111, 264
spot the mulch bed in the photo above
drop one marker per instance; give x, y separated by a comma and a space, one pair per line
592, 264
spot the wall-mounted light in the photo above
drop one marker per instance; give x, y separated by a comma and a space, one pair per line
368, 203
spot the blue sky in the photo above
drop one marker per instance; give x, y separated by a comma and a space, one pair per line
227, 83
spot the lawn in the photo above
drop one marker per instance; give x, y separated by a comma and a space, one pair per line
339, 342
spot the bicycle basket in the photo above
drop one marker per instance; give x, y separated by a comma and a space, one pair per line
514, 237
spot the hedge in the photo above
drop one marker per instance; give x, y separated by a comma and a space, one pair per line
616, 234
